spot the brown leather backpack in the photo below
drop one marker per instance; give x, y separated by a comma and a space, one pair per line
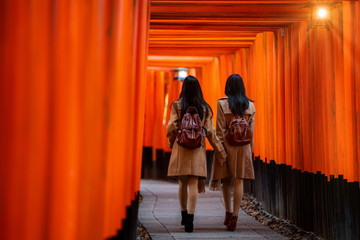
239, 132
191, 133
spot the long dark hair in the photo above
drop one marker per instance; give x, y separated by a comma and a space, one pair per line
191, 95
235, 90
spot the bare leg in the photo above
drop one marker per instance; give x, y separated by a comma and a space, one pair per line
238, 194
183, 194
193, 193
226, 189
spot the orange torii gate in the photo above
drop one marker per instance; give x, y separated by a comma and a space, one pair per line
72, 90
304, 80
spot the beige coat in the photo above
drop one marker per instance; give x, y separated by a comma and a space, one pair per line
184, 161
239, 163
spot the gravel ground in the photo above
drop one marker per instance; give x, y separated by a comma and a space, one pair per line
284, 227
142, 233
255, 210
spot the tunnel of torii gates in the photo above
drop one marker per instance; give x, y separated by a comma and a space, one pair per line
85, 85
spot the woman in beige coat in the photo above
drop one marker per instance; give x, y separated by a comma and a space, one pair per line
239, 163
189, 165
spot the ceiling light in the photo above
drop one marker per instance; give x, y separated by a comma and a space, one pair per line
322, 13
180, 73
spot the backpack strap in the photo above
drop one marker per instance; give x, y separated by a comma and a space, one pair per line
191, 108
179, 114
239, 117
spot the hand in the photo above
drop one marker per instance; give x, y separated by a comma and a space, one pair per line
221, 161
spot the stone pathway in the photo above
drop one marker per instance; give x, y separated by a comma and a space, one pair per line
160, 215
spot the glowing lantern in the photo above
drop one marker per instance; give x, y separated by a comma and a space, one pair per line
180, 73
320, 14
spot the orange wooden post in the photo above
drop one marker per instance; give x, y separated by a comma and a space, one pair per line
312, 138
211, 90
116, 197
357, 90
139, 81
281, 144
149, 109
339, 93
159, 130
258, 76
91, 116
294, 85
253, 95
287, 98
329, 100
330, 104
226, 69
304, 102
270, 79
214, 84
349, 86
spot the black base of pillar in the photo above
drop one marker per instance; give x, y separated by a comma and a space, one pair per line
154, 169
129, 228
329, 208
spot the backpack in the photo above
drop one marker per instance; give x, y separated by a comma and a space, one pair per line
239, 132
191, 133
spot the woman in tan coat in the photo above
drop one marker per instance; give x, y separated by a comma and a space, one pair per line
189, 165
239, 163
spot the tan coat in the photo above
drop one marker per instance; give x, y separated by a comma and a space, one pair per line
184, 161
239, 163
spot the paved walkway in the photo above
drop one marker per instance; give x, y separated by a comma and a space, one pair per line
160, 214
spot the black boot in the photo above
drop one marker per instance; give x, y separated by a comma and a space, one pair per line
189, 227
184, 215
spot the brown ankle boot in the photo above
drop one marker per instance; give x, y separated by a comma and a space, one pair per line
227, 218
231, 226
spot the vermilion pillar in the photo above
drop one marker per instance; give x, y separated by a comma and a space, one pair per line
72, 110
